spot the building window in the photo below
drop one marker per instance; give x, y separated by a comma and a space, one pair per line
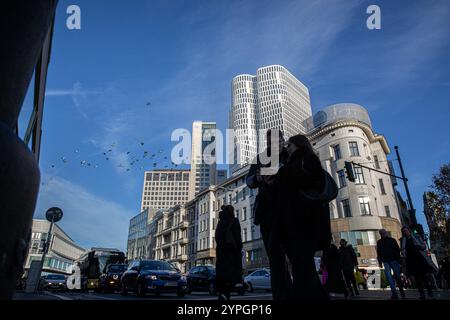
387, 211
359, 175
383, 191
244, 233
364, 206
244, 214
346, 208
354, 152
337, 152
377, 163
342, 179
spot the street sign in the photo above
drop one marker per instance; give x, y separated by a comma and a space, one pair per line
54, 214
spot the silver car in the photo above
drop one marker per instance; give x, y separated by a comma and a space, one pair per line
259, 279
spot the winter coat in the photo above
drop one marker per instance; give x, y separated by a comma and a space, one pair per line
228, 249
265, 202
305, 221
387, 250
348, 257
417, 261
331, 260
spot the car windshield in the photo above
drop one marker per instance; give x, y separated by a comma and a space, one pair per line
157, 265
211, 269
117, 268
55, 277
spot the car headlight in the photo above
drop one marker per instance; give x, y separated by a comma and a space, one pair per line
115, 277
151, 277
183, 278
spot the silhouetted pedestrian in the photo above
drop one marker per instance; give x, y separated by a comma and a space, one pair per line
301, 228
265, 215
417, 264
388, 252
228, 252
445, 273
349, 262
335, 282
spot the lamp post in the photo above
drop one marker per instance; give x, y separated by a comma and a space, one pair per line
52, 215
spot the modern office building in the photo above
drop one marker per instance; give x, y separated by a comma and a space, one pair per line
138, 233
164, 189
344, 132
221, 176
274, 98
62, 253
203, 169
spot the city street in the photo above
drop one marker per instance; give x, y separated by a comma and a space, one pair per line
366, 295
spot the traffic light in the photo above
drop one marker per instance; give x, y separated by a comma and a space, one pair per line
349, 171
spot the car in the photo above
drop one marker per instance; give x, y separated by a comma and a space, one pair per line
110, 280
203, 278
152, 276
258, 279
56, 282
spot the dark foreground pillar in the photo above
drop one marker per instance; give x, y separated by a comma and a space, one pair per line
23, 28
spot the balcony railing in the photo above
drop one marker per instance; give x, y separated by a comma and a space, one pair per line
183, 224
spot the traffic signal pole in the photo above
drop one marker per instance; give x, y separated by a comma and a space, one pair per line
412, 211
405, 183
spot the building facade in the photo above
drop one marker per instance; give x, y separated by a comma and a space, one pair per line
340, 133
62, 253
274, 98
164, 189
203, 171
171, 228
138, 233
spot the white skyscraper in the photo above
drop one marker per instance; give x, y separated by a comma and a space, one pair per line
203, 172
273, 99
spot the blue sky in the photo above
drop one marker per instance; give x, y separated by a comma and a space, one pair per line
181, 57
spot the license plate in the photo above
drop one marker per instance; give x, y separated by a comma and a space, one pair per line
171, 284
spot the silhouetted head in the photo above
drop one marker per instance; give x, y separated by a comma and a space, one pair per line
406, 231
227, 212
299, 142
343, 242
383, 233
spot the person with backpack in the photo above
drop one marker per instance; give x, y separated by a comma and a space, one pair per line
228, 252
302, 186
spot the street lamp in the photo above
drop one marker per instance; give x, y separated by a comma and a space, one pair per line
52, 215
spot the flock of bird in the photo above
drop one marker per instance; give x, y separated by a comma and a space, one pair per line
137, 158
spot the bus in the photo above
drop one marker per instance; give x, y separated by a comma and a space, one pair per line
94, 262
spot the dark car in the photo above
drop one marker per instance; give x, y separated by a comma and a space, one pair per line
110, 280
203, 278
53, 282
152, 276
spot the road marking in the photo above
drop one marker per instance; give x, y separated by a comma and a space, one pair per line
59, 296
